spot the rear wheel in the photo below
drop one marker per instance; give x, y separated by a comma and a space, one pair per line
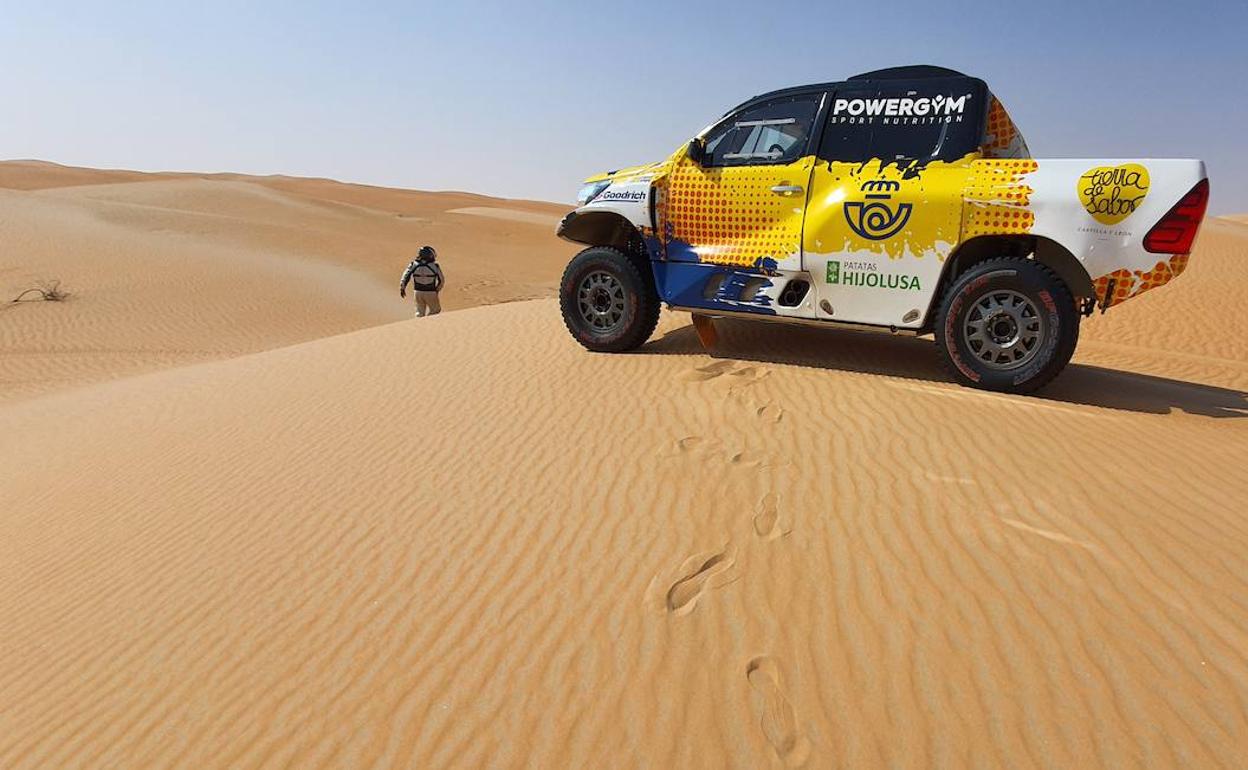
1007, 324
608, 303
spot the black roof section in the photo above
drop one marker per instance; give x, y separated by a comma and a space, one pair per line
910, 72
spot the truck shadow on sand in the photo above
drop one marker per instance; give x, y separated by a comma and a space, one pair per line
915, 358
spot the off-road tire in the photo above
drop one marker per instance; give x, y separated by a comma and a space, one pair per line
976, 356
607, 269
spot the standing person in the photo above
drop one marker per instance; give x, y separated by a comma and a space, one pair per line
427, 281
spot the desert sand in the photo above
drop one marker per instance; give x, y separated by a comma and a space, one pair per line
171, 269
466, 542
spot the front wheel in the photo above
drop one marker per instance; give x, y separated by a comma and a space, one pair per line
1007, 324
608, 303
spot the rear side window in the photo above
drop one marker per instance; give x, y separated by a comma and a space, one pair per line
775, 132
903, 123
846, 137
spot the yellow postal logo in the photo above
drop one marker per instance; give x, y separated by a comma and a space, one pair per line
1113, 193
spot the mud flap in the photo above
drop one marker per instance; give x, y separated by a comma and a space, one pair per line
705, 327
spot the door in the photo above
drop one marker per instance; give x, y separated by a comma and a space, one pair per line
743, 204
886, 197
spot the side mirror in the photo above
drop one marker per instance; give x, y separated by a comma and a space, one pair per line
697, 150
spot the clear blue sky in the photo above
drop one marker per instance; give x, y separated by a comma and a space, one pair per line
524, 99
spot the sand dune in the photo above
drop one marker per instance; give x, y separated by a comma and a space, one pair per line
170, 269
466, 542
534, 218
41, 175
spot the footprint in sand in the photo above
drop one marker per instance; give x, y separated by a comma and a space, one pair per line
767, 517
714, 449
776, 715
748, 458
749, 373
738, 375
698, 574
741, 381
696, 444
769, 413
708, 372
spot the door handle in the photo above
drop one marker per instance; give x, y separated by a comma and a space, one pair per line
787, 189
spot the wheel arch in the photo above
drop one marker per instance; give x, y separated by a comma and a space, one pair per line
1046, 251
600, 228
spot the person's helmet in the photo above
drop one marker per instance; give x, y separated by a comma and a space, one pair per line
427, 252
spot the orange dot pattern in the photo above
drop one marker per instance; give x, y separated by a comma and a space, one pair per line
1178, 263
1124, 283
997, 198
1128, 284
734, 218
1001, 138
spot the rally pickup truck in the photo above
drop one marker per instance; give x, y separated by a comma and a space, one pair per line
902, 200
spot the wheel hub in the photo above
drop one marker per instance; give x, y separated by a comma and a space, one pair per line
1003, 329
600, 300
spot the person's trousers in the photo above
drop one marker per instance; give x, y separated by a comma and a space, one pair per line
427, 303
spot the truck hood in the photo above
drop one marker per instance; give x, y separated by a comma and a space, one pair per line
629, 172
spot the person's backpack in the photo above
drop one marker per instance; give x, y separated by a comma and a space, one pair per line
428, 282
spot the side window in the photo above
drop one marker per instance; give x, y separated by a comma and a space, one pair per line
897, 123
847, 136
915, 137
776, 132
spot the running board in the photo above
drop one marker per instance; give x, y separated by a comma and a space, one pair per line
788, 319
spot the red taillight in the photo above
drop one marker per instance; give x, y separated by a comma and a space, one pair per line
1174, 233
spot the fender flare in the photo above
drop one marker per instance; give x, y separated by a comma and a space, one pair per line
1046, 251
599, 228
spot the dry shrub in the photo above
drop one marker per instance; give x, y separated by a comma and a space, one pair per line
46, 291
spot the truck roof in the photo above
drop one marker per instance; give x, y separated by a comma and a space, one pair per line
918, 73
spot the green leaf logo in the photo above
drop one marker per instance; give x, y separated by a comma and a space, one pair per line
834, 271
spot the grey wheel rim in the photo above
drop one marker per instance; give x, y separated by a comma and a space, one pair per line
1003, 330
600, 300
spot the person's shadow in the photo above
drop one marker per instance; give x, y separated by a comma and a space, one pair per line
915, 358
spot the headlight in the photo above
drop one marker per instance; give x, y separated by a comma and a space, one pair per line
590, 191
